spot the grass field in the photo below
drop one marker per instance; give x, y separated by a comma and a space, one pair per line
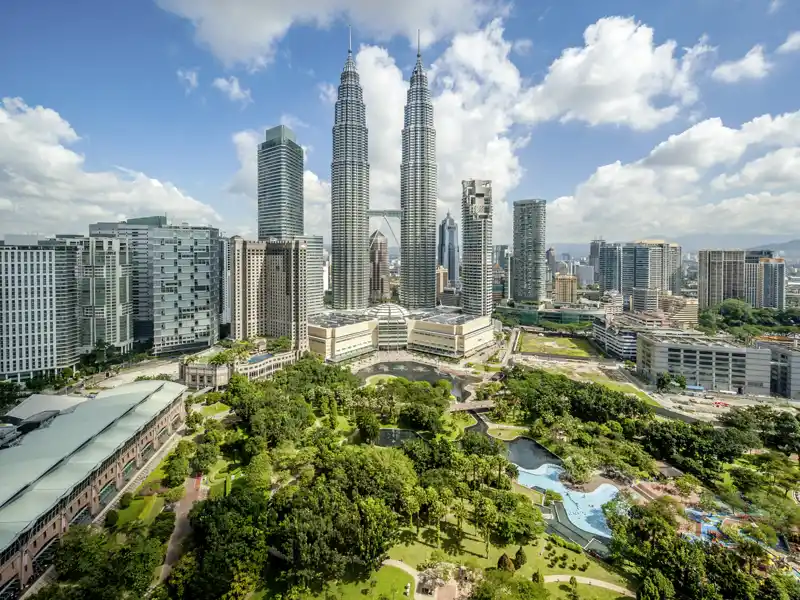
559, 591
414, 549
146, 509
503, 433
389, 581
618, 386
214, 409
376, 379
560, 346
457, 424
535, 496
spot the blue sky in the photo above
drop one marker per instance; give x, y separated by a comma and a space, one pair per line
514, 104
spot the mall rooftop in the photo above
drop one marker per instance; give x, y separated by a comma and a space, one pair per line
58, 441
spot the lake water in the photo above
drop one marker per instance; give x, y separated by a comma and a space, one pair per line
414, 371
585, 510
538, 467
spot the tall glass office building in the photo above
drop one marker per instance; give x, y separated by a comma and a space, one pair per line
280, 185
449, 256
418, 190
186, 289
476, 227
350, 195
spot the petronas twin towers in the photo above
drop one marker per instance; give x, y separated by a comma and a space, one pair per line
350, 195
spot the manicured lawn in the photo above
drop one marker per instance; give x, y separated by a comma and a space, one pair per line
618, 386
413, 549
156, 476
561, 346
146, 509
389, 581
376, 379
559, 591
535, 496
214, 409
506, 434
457, 425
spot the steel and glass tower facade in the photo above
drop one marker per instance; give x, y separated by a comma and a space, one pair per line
449, 256
350, 195
280, 185
418, 190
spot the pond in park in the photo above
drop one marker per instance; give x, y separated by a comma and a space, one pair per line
414, 371
538, 466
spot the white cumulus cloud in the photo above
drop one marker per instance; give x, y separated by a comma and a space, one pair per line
45, 187
233, 90
247, 31
676, 189
792, 43
753, 65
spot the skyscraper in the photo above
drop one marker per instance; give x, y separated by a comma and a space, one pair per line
41, 333
137, 232
268, 289
772, 283
594, 257
529, 274
350, 194
280, 185
610, 263
720, 276
449, 255
186, 287
501, 256
104, 291
379, 290
418, 191
476, 227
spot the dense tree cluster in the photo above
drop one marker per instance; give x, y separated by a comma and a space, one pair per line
95, 565
740, 319
646, 543
777, 429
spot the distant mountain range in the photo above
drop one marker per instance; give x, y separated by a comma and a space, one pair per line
790, 248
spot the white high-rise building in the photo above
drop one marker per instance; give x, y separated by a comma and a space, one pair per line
314, 288
104, 292
418, 192
350, 195
186, 287
268, 290
530, 261
476, 247
137, 232
38, 307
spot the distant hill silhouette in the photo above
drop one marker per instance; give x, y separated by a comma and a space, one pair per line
790, 248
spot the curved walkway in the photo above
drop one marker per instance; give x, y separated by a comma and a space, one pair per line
547, 579
589, 581
390, 562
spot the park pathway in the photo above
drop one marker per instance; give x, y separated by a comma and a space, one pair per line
547, 579
593, 582
195, 492
411, 571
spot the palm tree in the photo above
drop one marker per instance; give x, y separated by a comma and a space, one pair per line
460, 511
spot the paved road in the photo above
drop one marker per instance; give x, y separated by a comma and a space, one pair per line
460, 406
593, 582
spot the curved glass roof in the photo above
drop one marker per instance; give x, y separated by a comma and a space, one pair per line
388, 312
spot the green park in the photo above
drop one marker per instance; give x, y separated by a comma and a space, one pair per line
306, 501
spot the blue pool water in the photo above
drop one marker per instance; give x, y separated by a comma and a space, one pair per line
258, 358
584, 510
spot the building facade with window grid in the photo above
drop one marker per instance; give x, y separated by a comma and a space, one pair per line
186, 288
38, 307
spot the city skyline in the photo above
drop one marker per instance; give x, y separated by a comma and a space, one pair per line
183, 154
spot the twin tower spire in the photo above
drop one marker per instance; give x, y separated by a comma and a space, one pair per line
350, 194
